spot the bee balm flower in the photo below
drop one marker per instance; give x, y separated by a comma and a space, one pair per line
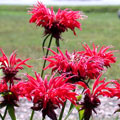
12, 66
55, 24
48, 95
91, 100
82, 65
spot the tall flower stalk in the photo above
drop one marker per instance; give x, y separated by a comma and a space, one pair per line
54, 24
47, 52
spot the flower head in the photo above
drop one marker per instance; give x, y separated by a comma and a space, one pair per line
12, 66
10, 96
47, 96
106, 56
81, 65
91, 100
55, 24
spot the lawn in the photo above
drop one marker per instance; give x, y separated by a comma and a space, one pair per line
17, 34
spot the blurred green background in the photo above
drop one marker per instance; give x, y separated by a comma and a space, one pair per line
102, 27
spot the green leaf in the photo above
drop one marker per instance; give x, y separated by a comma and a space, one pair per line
11, 112
79, 97
78, 107
81, 114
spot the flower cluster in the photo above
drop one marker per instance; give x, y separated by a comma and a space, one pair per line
10, 67
73, 70
48, 95
82, 65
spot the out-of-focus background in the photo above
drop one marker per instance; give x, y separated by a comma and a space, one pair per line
62, 2
102, 27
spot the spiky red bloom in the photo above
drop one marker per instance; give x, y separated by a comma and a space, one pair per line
82, 65
11, 66
103, 54
116, 92
55, 24
47, 96
91, 100
10, 95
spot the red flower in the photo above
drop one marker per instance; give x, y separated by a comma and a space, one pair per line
91, 100
116, 92
116, 89
10, 96
11, 67
3, 87
81, 65
47, 96
55, 24
102, 54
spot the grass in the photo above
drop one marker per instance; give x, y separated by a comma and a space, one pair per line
17, 34
82, 8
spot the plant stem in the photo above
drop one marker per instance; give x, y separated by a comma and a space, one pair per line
70, 109
46, 55
32, 114
69, 112
62, 111
1, 116
42, 118
5, 113
44, 42
71, 106
31, 117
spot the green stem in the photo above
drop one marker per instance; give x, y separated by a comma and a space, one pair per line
69, 112
5, 113
62, 111
42, 118
32, 114
1, 116
46, 55
44, 42
71, 106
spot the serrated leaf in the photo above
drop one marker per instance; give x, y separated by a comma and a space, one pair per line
11, 112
